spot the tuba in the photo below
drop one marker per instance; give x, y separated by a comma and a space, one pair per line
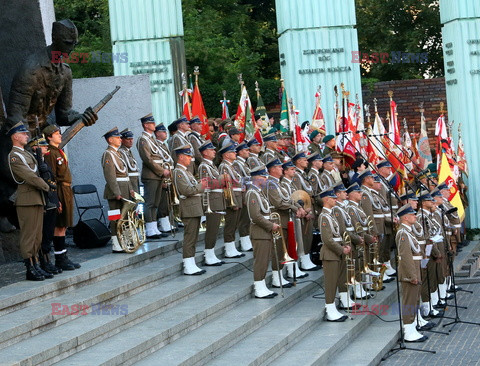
131, 226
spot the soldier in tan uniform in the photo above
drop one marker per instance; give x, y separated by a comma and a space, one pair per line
261, 229
300, 182
195, 138
117, 183
409, 258
271, 146
190, 195
153, 173
29, 200
327, 180
234, 207
452, 215
126, 151
58, 163
181, 139
215, 202
253, 159
164, 224
240, 165
332, 255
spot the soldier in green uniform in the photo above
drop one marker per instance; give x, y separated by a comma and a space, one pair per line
191, 210
234, 205
153, 173
409, 258
261, 229
126, 150
315, 138
332, 255
214, 198
117, 183
330, 143
29, 200
58, 162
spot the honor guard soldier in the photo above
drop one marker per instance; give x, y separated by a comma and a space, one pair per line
271, 145
429, 294
261, 231
315, 138
164, 223
409, 258
360, 218
316, 163
253, 159
126, 150
289, 171
345, 224
332, 256
153, 172
117, 184
190, 194
327, 180
213, 197
330, 143
452, 214
181, 139
281, 203
300, 182
195, 138
58, 163
40, 147
29, 200
172, 130
240, 165
234, 199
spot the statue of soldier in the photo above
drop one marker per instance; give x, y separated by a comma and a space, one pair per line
44, 84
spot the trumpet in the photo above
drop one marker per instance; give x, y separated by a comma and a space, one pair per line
206, 201
228, 191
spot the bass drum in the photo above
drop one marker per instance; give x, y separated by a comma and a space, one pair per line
316, 247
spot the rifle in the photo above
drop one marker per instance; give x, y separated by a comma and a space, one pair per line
78, 125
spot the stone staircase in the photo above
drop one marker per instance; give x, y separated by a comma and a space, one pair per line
140, 309
467, 264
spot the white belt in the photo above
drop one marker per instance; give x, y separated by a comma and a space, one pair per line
395, 207
217, 190
158, 161
457, 225
417, 257
448, 232
125, 179
337, 239
422, 242
266, 217
196, 195
378, 216
237, 189
136, 174
350, 229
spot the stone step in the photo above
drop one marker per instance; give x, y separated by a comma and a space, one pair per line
82, 331
138, 340
368, 348
329, 338
25, 323
218, 335
25, 293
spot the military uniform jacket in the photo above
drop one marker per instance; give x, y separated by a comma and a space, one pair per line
446, 228
259, 213
327, 180
372, 207
151, 156
208, 171
453, 217
300, 182
179, 139
424, 230
165, 152
345, 223
189, 191
326, 151
24, 170
115, 172
279, 199
241, 167
237, 182
268, 155
58, 162
358, 216
385, 192
409, 255
196, 141
314, 179
287, 186
253, 161
387, 213
332, 248
313, 148
132, 165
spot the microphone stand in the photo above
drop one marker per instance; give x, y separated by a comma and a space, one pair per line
401, 342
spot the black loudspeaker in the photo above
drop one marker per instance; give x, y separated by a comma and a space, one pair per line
91, 233
316, 247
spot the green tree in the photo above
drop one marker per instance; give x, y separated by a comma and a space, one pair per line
411, 26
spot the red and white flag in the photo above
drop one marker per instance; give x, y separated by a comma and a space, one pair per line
114, 215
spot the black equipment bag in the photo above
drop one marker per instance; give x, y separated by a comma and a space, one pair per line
315, 249
91, 233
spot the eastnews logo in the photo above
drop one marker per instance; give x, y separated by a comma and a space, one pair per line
89, 57
394, 57
85, 309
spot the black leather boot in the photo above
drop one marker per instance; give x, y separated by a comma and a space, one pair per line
76, 265
32, 274
45, 274
61, 261
48, 266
